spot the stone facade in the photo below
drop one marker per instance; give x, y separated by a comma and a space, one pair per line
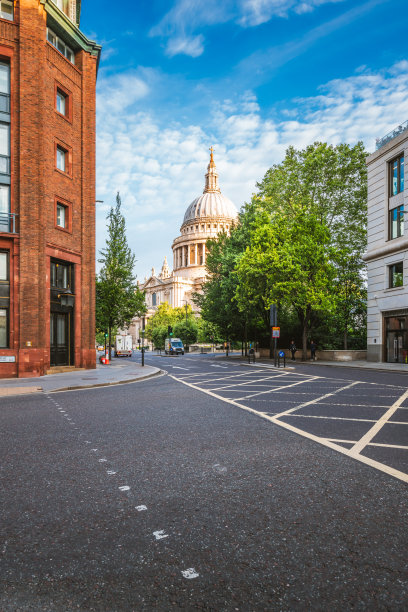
387, 252
48, 223
206, 217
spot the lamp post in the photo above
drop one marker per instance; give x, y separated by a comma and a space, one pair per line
143, 333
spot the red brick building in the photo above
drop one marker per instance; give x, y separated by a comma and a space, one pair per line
48, 72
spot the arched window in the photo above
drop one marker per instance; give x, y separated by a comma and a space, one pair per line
153, 299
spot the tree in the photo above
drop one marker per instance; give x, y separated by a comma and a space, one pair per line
187, 331
314, 204
158, 336
118, 299
166, 315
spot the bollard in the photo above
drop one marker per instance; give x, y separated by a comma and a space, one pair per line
251, 354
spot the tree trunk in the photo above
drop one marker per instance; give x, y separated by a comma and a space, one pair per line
345, 340
110, 343
304, 340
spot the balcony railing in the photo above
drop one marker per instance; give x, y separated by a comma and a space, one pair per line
8, 223
380, 142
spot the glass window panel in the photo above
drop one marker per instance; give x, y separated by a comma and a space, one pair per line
6, 9
4, 78
4, 205
61, 215
61, 102
51, 37
53, 275
396, 275
61, 330
401, 221
3, 328
395, 177
5, 139
402, 174
52, 329
60, 159
3, 266
60, 46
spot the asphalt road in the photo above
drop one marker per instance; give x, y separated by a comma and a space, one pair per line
188, 492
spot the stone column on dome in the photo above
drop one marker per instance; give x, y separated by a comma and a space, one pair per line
203, 250
188, 256
196, 253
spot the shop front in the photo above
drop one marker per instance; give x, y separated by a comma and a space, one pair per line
396, 336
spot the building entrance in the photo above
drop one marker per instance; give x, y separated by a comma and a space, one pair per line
59, 339
396, 342
61, 315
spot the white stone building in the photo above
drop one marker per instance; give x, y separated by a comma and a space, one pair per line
387, 250
207, 216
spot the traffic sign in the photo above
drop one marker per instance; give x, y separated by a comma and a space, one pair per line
275, 332
281, 354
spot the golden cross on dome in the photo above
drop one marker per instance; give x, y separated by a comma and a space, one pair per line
212, 151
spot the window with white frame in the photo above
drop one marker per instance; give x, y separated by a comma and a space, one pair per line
59, 44
62, 215
61, 159
7, 9
396, 222
396, 275
397, 175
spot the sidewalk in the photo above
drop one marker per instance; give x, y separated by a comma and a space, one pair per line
365, 365
118, 372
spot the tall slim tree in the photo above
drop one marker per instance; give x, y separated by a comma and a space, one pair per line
118, 299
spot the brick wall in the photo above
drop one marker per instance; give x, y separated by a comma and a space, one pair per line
37, 68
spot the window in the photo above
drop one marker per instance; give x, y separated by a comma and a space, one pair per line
5, 148
62, 216
154, 299
4, 208
4, 276
63, 5
4, 88
397, 175
62, 105
59, 44
396, 275
4, 298
6, 9
3, 327
396, 222
61, 275
61, 161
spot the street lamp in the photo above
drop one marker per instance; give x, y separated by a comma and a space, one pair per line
67, 298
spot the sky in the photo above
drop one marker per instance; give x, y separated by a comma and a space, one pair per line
248, 77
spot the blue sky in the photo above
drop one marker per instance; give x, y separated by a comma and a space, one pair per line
249, 77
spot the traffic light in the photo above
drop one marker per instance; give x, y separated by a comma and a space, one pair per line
106, 334
170, 330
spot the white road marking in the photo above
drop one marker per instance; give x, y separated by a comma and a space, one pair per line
371, 433
159, 535
190, 573
141, 508
180, 368
215, 365
124, 488
323, 441
301, 382
110, 472
94, 450
315, 400
102, 460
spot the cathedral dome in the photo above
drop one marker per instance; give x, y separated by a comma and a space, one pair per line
212, 203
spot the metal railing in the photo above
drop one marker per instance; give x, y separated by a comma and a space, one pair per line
380, 142
8, 223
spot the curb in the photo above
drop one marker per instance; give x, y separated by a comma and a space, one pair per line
109, 384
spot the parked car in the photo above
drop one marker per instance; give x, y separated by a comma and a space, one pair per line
100, 348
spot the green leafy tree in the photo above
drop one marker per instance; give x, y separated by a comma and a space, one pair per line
187, 331
118, 299
165, 315
158, 336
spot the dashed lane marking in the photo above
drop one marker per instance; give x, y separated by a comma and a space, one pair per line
160, 535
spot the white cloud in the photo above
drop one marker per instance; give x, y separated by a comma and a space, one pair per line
255, 12
182, 21
189, 45
159, 168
